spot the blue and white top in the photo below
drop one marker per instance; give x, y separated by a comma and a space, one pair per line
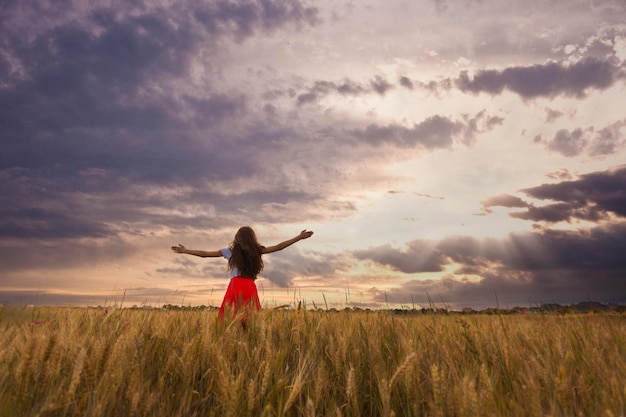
226, 253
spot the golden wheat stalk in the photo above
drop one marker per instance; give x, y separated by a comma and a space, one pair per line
402, 369
79, 364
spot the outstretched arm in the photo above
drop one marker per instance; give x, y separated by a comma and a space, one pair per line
201, 253
305, 234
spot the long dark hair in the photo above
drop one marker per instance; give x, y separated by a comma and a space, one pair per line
246, 253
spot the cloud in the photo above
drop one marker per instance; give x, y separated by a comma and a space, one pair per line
406, 82
435, 132
537, 266
502, 200
65, 252
107, 125
221, 18
592, 196
321, 89
426, 195
111, 70
570, 143
419, 256
38, 223
560, 174
380, 85
547, 265
543, 80
558, 212
102, 93
591, 249
595, 197
298, 264
552, 115
432, 133
244, 18
609, 140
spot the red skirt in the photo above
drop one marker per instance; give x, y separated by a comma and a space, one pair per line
241, 297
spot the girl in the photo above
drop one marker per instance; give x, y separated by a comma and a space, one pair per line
244, 264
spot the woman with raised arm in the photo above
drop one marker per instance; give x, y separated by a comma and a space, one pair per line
245, 264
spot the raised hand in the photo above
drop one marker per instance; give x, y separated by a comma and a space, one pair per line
305, 234
179, 249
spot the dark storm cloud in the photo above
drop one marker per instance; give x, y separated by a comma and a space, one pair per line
95, 114
596, 249
544, 80
116, 71
42, 223
435, 132
54, 255
553, 264
507, 289
592, 197
96, 100
558, 212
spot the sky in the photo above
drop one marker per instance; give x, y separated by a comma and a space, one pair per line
449, 153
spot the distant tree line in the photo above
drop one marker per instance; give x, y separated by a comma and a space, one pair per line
581, 307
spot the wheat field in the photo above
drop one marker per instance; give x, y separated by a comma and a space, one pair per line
126, 362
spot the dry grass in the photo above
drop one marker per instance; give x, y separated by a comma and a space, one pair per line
81, 362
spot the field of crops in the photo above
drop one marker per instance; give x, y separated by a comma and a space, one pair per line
96, 362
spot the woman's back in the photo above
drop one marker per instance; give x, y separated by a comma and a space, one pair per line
246, 253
